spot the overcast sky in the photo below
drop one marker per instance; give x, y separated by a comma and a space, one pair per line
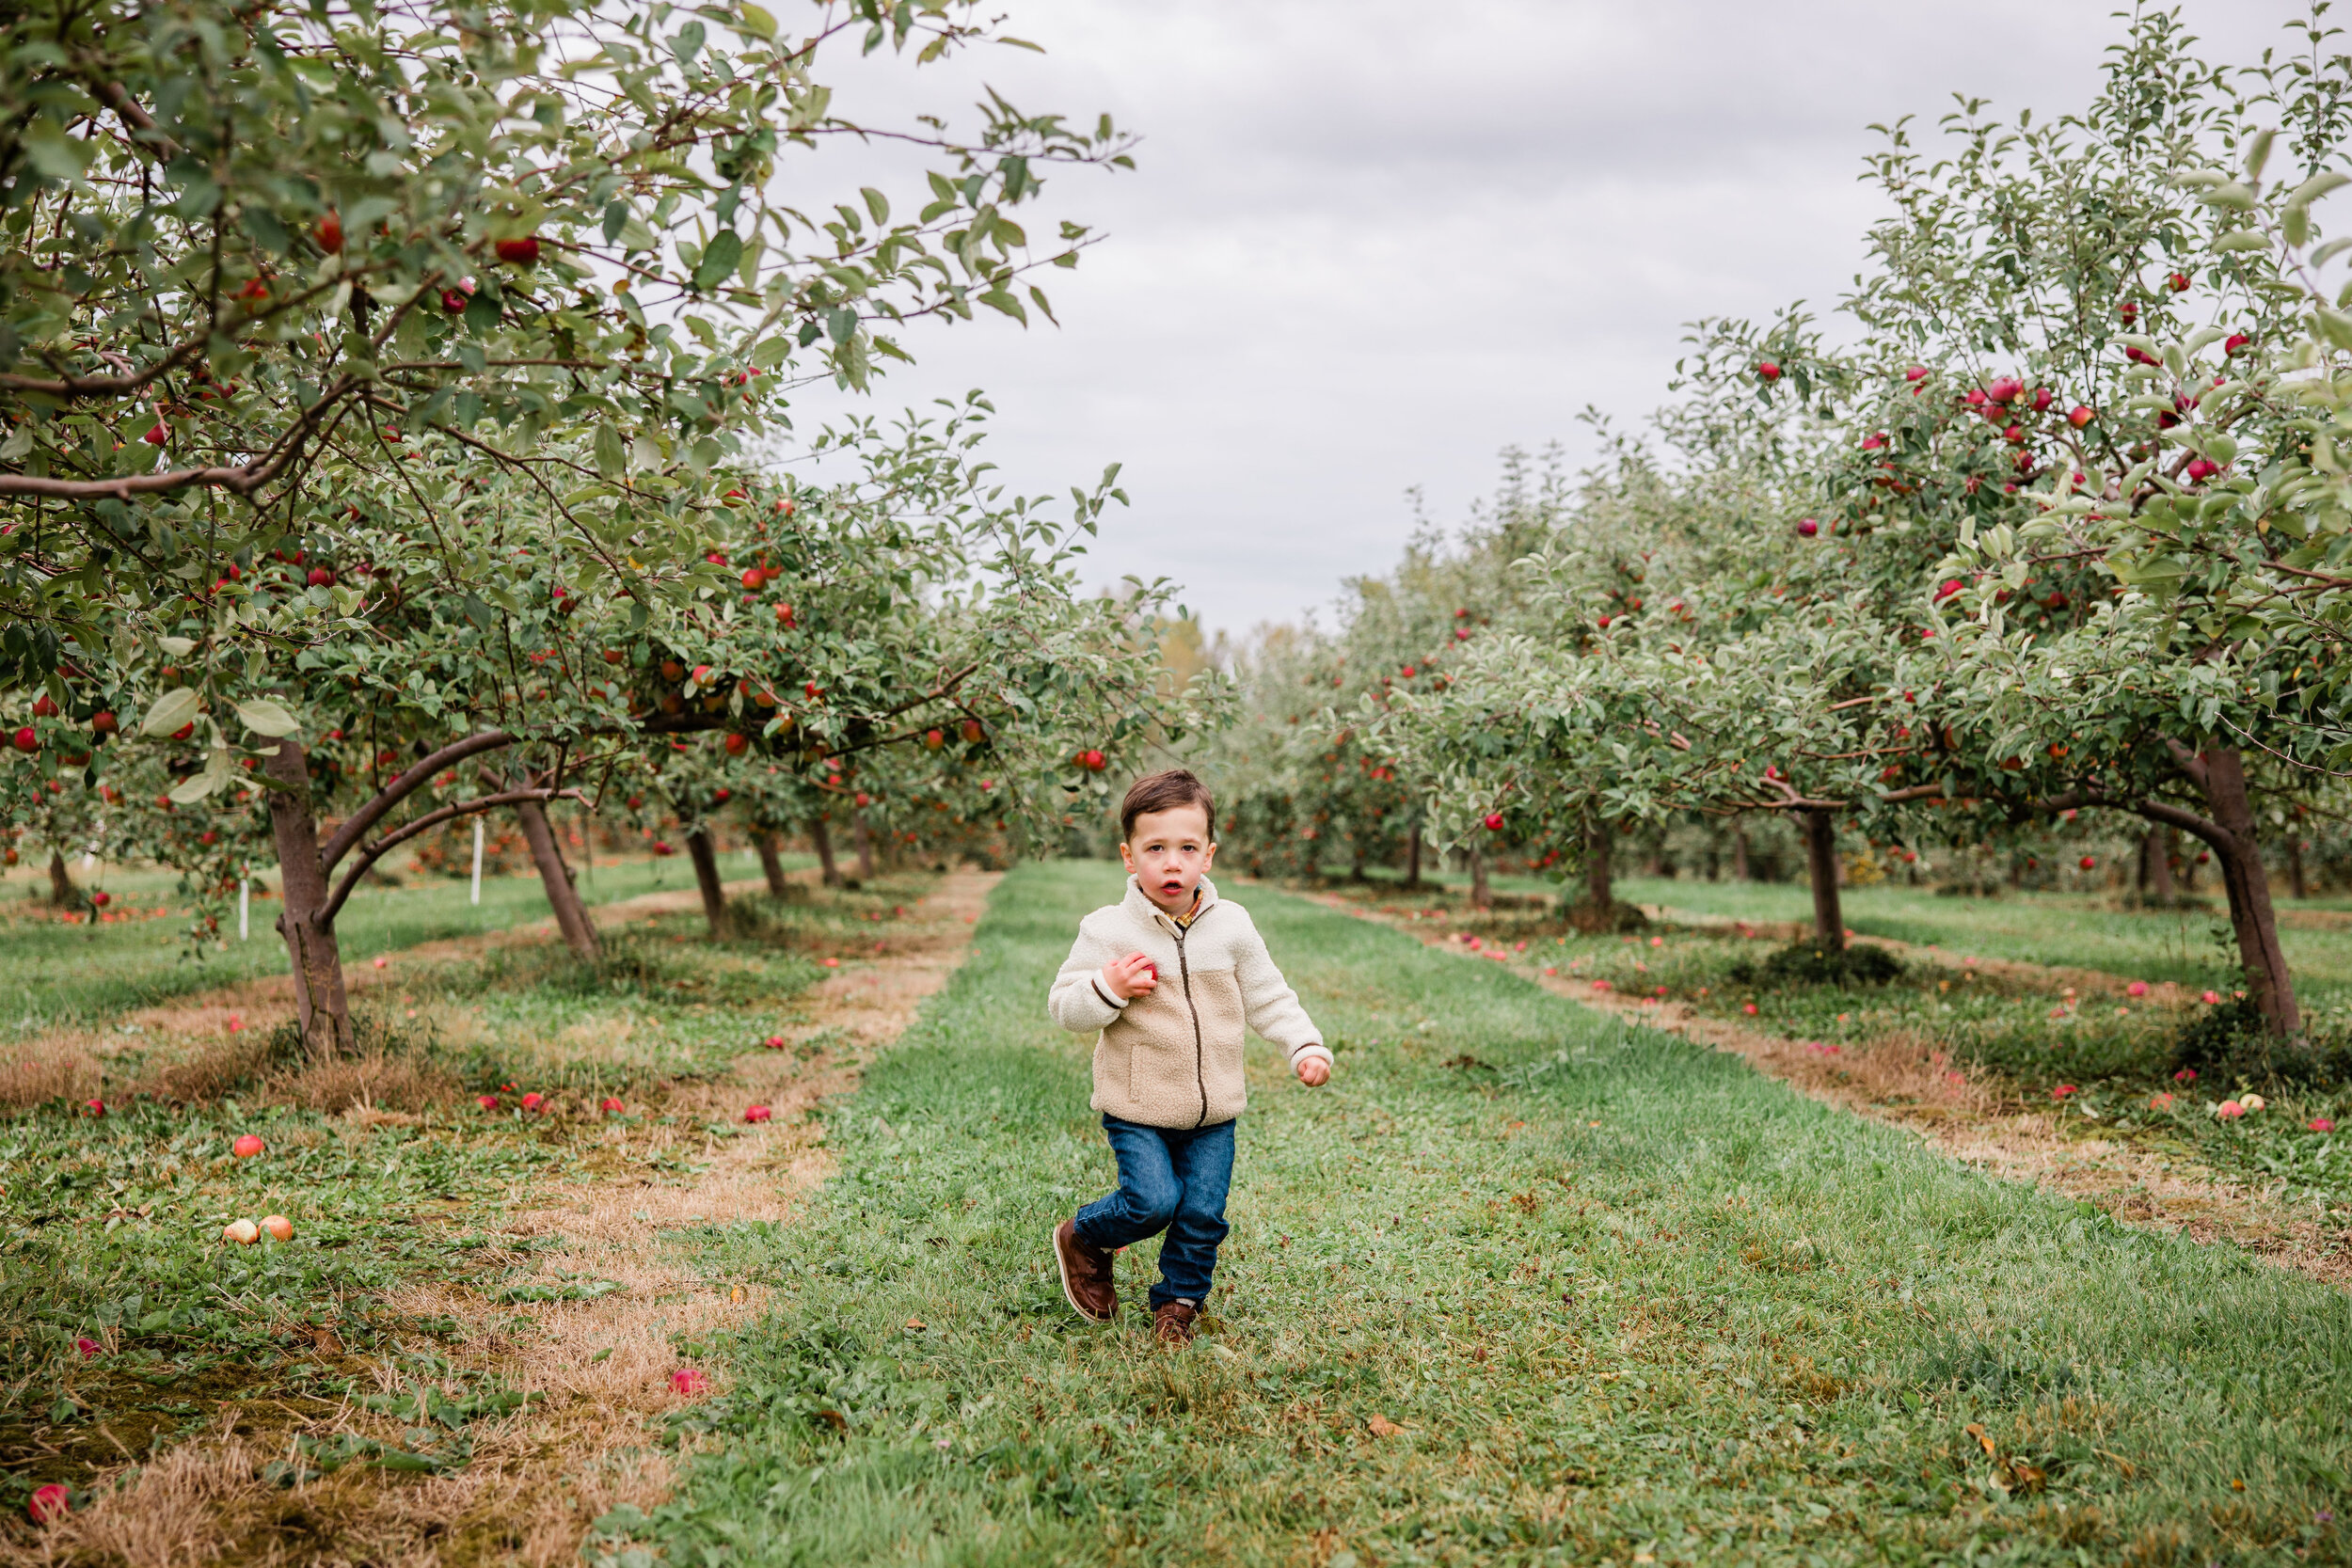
1369, 243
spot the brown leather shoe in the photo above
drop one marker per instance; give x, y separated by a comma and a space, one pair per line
1171, 1325
1085, 1275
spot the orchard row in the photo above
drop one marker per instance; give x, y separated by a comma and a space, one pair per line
2060, 533
398, 431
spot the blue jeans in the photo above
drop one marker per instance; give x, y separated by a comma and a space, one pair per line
1170, 1179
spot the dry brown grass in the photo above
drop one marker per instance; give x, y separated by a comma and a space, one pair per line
46, 1069
372, 1079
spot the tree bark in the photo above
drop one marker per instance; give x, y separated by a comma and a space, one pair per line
1482, 896
764, 839
2238, 846
705, 859
571, 916
822, 841
61, 889
2294, 868
322, 1007
1738, 852
1412, 859
1820, 856
865, 846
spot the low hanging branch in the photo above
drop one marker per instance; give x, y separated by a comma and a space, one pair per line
368, 854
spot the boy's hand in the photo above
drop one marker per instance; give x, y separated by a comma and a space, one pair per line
1313, 1071
1131, 976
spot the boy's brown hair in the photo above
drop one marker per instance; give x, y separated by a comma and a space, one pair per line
1165, 791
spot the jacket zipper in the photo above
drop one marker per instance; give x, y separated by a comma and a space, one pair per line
1184, 972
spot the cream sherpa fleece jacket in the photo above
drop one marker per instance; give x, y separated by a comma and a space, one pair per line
1171, 1057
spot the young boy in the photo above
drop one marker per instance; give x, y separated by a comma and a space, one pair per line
1170, 976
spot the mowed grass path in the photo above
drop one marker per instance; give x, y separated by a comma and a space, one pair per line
1521, 1286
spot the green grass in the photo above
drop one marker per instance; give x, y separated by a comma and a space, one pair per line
2071, 930
57, 974
1627, 1299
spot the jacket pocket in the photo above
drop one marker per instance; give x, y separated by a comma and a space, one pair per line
1217, 998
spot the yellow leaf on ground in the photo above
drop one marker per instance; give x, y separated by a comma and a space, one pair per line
1383, 1426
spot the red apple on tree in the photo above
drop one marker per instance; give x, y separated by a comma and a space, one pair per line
1769, 371
1808, 527
2080, 414
934, 739
27, 739
330, 232
519, 253
1494, 822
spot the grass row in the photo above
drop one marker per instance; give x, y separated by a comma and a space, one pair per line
1523, 1286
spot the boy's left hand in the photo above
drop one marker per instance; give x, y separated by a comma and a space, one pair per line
1313, 1071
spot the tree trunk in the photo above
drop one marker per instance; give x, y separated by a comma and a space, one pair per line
822, 841
1738, 852
2295, 868
2238, 846
571, 917
1820, 856
2187, 863
61, 889
865, 846
1412, 860
1600, 890
764, 839
707, 877
1482, 896
320, 1005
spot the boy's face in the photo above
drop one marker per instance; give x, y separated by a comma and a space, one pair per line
1168, 853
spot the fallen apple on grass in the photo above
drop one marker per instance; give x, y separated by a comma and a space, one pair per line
612, 1107
247, 1146
278, 1227
243, 1232
49, 1504
755, 1113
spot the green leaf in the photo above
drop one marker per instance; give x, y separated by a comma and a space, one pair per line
170, 710
611, 454
265, 716
194, 789
2242, 240
53, 152
753, 21
717, 260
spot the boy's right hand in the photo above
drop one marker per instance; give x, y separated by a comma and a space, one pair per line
1131, 976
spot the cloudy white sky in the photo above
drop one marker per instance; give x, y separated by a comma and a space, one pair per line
1369, 243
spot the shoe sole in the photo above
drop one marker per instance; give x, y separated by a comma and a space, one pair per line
1062, 1266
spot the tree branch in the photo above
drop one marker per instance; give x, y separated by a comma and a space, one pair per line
400, 788
369, 854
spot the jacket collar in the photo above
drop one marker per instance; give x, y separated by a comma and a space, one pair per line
1139, 904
